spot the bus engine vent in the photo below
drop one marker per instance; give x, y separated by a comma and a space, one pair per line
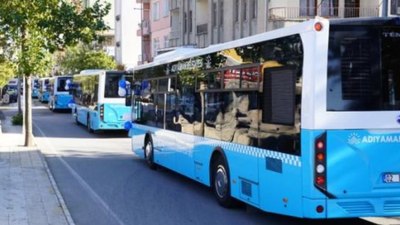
391, 206
360, 207
246, 188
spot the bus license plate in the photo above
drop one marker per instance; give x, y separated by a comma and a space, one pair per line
391, 178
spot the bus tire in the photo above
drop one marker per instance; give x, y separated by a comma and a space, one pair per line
76, 117
76, 120
221, 183
89, 128
149, 154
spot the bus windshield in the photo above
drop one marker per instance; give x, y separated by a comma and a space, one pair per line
61, 84
361, 77
112, 84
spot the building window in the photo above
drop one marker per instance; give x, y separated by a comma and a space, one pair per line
166, 41
190, 28
325, 8
244, 10
156, 11
308, 7
214, 14
156, 46
395, 7
185, 22
254, 5
236, 11
329, 8
165, 8
221, 13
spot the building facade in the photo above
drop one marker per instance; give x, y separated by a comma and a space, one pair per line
200, 23
109, 36
127, 43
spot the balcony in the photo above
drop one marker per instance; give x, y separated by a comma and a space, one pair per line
175, 33
301, 14
144, 29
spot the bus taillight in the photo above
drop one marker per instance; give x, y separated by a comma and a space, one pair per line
101, 112
318, 26
320, 162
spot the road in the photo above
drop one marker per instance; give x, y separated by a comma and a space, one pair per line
102, 182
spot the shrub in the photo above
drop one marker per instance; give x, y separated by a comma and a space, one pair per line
17, 119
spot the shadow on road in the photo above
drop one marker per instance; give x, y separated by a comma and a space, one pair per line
138, 195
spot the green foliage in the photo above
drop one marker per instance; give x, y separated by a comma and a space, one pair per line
37, 28
7, 71
81, 57
17, 119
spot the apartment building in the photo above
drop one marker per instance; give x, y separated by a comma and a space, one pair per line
200, 23
127, 43
154, 28
286, 13
109, 43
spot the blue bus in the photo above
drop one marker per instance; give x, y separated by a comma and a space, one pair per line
35, 87
44, 94
98, 101
59, 93
301, 121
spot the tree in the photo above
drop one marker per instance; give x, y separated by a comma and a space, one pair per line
7, 69
39, 27
81, 57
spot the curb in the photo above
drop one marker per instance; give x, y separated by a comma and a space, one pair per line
67, 215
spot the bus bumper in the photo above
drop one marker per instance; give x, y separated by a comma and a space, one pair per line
352, 208
112, 126
376, 207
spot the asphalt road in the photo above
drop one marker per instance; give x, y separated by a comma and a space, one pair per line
102, 182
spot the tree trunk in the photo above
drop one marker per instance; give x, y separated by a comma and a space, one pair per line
19, 94
28, 112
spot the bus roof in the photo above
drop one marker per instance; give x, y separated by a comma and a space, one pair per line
298, 28
98, 71
181, 55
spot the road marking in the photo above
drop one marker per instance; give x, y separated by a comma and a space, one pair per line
80, 180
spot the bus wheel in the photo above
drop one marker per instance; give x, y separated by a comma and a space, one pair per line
220, 183
149, 154
76, 117
89, 128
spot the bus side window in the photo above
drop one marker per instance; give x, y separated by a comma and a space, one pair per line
279, 96
278, 119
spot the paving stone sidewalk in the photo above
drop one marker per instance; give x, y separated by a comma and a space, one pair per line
28, 194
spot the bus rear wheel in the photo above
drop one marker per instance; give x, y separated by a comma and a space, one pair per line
76, 118
89, 127
221, 183
149, 154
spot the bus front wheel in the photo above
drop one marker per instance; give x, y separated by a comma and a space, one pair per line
149, 154
220, 183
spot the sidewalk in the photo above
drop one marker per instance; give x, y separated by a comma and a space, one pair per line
28, 193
